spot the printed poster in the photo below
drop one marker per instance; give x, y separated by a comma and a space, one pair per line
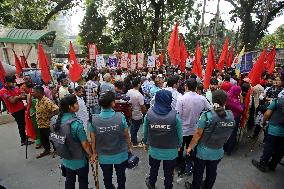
151, 61
100, 61
133, 61
140, 60
124, 60
92, 51
112, 61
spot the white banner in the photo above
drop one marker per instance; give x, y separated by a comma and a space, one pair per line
133, 62
92, 51
151, 61
124, 60
100, 61
140, 60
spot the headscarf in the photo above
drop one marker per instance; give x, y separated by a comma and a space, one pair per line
234, 93
257, 91
163, 101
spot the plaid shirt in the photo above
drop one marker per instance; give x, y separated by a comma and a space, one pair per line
90, 88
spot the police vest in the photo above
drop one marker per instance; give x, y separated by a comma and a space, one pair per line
65, 145
162, 130
218, 131
277, 117
110, 137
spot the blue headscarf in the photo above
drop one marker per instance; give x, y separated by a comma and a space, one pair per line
163, 101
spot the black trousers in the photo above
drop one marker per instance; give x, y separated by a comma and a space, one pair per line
120, 174
82, 178
273, 151
44, 138
186, 141
168, 166
20, 119
211, 173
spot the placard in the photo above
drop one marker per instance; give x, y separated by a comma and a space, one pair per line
112, 60
92, 51
100, 61
124, 60
133, 61
140, 60
151, 61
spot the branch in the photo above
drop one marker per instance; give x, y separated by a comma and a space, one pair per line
232, 3
59, 7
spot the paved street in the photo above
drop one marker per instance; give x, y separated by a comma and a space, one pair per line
235, 172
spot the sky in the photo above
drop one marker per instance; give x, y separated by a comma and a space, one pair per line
211, 7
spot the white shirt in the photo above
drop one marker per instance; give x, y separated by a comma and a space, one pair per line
175, 96
83, 113
136, 100
189, 107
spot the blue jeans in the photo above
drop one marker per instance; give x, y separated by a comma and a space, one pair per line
120, 174
82, 177
168, 166
211, 173
135, 125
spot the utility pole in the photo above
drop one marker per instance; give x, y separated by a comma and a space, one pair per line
202, 20
216, 23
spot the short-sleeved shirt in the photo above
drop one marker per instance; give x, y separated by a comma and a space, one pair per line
45, 108
63, 91
136, 100
12, 107
275, 130
204, 152
79, 135
116, 158
90, 88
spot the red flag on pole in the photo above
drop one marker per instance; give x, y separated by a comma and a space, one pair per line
173, 47
209, 67
245, 113
230, 58
257, 69
43, 64
76, 69
183, 55
18, 65
2, 73
223, 56
197, 68
161, 59
30, 132
270, 61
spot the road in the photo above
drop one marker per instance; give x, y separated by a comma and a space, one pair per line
234, 172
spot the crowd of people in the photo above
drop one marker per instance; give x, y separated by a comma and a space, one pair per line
180, 120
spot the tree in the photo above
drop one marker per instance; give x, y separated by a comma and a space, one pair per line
276, 39
92, 28
256, 16
32, 14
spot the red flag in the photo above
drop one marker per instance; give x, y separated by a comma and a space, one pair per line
76, 69
161, 59
230, 58
30, 132
2, 73
197, 68
43, 64
183, 55
245, 112
173, 47
24, 62
270, 61
209, 67
223, 56
257, 69
18, 65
